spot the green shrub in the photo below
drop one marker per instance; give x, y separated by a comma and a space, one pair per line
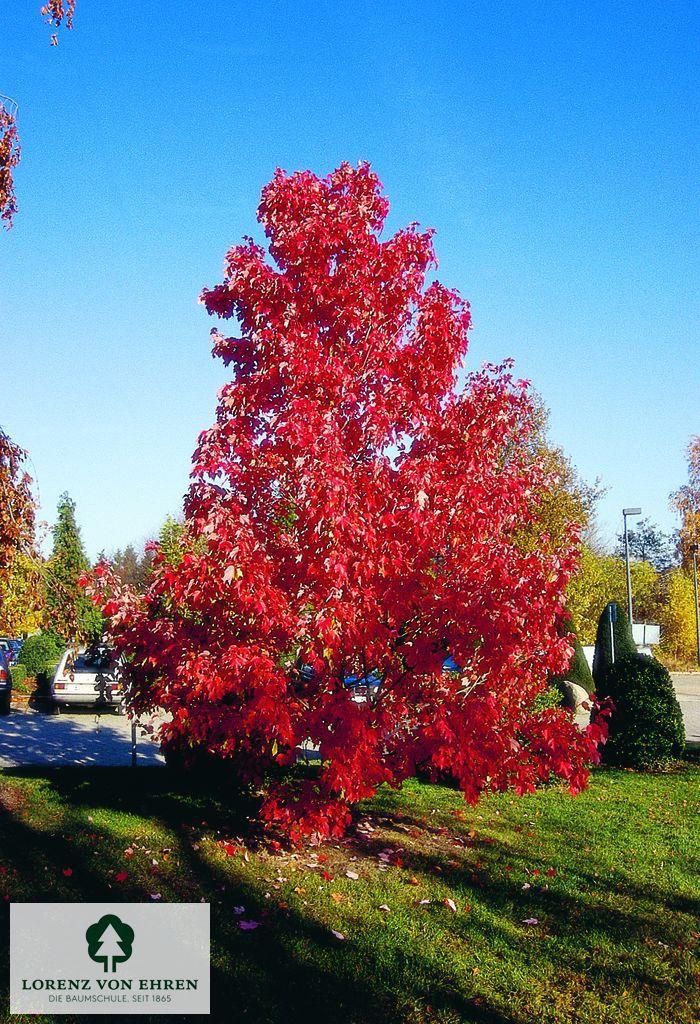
549, 698
646, 727
19, 675
625, 646
39, 653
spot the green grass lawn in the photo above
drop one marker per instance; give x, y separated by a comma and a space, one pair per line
611, 878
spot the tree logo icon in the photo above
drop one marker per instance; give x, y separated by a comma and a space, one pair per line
109, 939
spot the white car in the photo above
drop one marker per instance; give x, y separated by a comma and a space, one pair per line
88, 677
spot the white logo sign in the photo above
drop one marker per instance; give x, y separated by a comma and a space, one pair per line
84, 958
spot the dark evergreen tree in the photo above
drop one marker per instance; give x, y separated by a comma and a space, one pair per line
69, 614
624, 645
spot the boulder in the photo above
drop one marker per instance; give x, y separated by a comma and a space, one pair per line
574, 696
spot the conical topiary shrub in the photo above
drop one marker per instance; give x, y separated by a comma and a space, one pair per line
646, 728
625, 646
577, 671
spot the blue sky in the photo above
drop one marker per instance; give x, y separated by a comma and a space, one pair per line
553, 146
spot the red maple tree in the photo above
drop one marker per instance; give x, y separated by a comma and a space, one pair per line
354, 511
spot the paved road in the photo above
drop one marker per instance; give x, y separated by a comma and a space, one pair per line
687, 687
29, 737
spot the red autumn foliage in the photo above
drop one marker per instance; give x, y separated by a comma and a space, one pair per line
352, 509
9, 158
56, 12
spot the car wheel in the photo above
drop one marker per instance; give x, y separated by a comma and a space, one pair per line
5, 704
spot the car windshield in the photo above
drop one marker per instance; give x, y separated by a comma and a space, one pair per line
95, 659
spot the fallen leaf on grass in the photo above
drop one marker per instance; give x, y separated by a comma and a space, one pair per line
352, 874
451, 904
413, 881
385, 908
121, 876
338, 935
68, 872
326, 876
239, 910
156, 896
337, 897
228, 849
248, 926
530, 920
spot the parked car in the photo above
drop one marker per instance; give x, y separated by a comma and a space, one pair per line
11, 647
5, 684
89, 678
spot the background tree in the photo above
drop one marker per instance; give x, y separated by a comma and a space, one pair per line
350, 510
69, 613
131, 567
602, 578
686, 501
677, 619
170, 540
566, 498
648, 543
17, 516
22, 603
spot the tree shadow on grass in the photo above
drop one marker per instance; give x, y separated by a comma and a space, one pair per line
290, 968
588, 931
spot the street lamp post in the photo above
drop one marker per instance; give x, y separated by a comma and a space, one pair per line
694, 551
629, 512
